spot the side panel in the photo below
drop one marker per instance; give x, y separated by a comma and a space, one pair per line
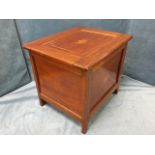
60, 84
104, 77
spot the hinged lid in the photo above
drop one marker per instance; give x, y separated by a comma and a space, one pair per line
80, 46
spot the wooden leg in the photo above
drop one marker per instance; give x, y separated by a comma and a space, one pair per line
120, 69
42, 102
84, 126
116, 90
86, 112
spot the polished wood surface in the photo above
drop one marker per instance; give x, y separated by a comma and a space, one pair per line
78, 45
104, 78
60, 84
78, 69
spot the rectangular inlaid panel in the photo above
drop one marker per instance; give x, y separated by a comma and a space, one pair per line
104, 78
60, 84
81, 43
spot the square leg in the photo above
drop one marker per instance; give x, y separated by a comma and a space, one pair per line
116, 90
84, 126
42, 102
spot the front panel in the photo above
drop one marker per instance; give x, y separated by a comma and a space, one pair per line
60, 84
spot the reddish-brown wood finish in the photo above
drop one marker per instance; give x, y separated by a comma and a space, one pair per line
78, 69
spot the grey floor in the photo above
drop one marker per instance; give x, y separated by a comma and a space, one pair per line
132, 111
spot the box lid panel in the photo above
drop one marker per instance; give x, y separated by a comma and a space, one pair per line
79, 46
81, 43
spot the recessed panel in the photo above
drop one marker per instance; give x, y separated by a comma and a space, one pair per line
104, 78
61, 85
80, 43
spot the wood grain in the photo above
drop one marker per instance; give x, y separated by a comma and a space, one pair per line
78, 70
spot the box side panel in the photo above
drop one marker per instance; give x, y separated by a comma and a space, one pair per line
104, 78
60, 84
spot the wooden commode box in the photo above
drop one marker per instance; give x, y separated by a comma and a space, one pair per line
78, 69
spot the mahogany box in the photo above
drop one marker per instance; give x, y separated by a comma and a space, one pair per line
78, 69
